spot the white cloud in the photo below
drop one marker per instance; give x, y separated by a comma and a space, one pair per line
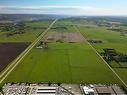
63, 10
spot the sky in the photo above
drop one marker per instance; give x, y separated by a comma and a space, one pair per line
65, 7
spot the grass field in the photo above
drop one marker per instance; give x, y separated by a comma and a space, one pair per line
110, 40
26, 37
69, 62
29, 36
64, 63
44, 23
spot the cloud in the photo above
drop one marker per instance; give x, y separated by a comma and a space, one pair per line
62, 10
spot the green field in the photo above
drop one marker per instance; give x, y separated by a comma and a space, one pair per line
29, 36
64, 63
110, 39
70, 62
44, 23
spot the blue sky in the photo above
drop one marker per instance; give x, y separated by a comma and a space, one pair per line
66, 7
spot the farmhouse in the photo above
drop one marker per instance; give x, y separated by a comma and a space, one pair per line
94, 41
42, 45
113, 55
88, 90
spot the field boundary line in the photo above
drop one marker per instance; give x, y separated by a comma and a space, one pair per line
24, 53
103, 59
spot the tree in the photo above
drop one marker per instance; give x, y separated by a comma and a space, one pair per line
7, 28
20, 27
49, 84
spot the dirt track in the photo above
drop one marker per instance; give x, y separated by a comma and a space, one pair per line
71, 37
9, 51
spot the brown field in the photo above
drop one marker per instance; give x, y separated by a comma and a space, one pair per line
9, 51
71, 37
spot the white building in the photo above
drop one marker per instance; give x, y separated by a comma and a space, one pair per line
88, 90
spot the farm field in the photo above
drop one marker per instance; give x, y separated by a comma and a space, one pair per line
63, 62
17, 43
27, 37
70, 37
9, 51
12, 46
43, 23
32, 32
110, 39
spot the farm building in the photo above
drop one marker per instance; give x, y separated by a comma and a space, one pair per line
46, 91
88, 90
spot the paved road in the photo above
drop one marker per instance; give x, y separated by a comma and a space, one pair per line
6, 72
104, 60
